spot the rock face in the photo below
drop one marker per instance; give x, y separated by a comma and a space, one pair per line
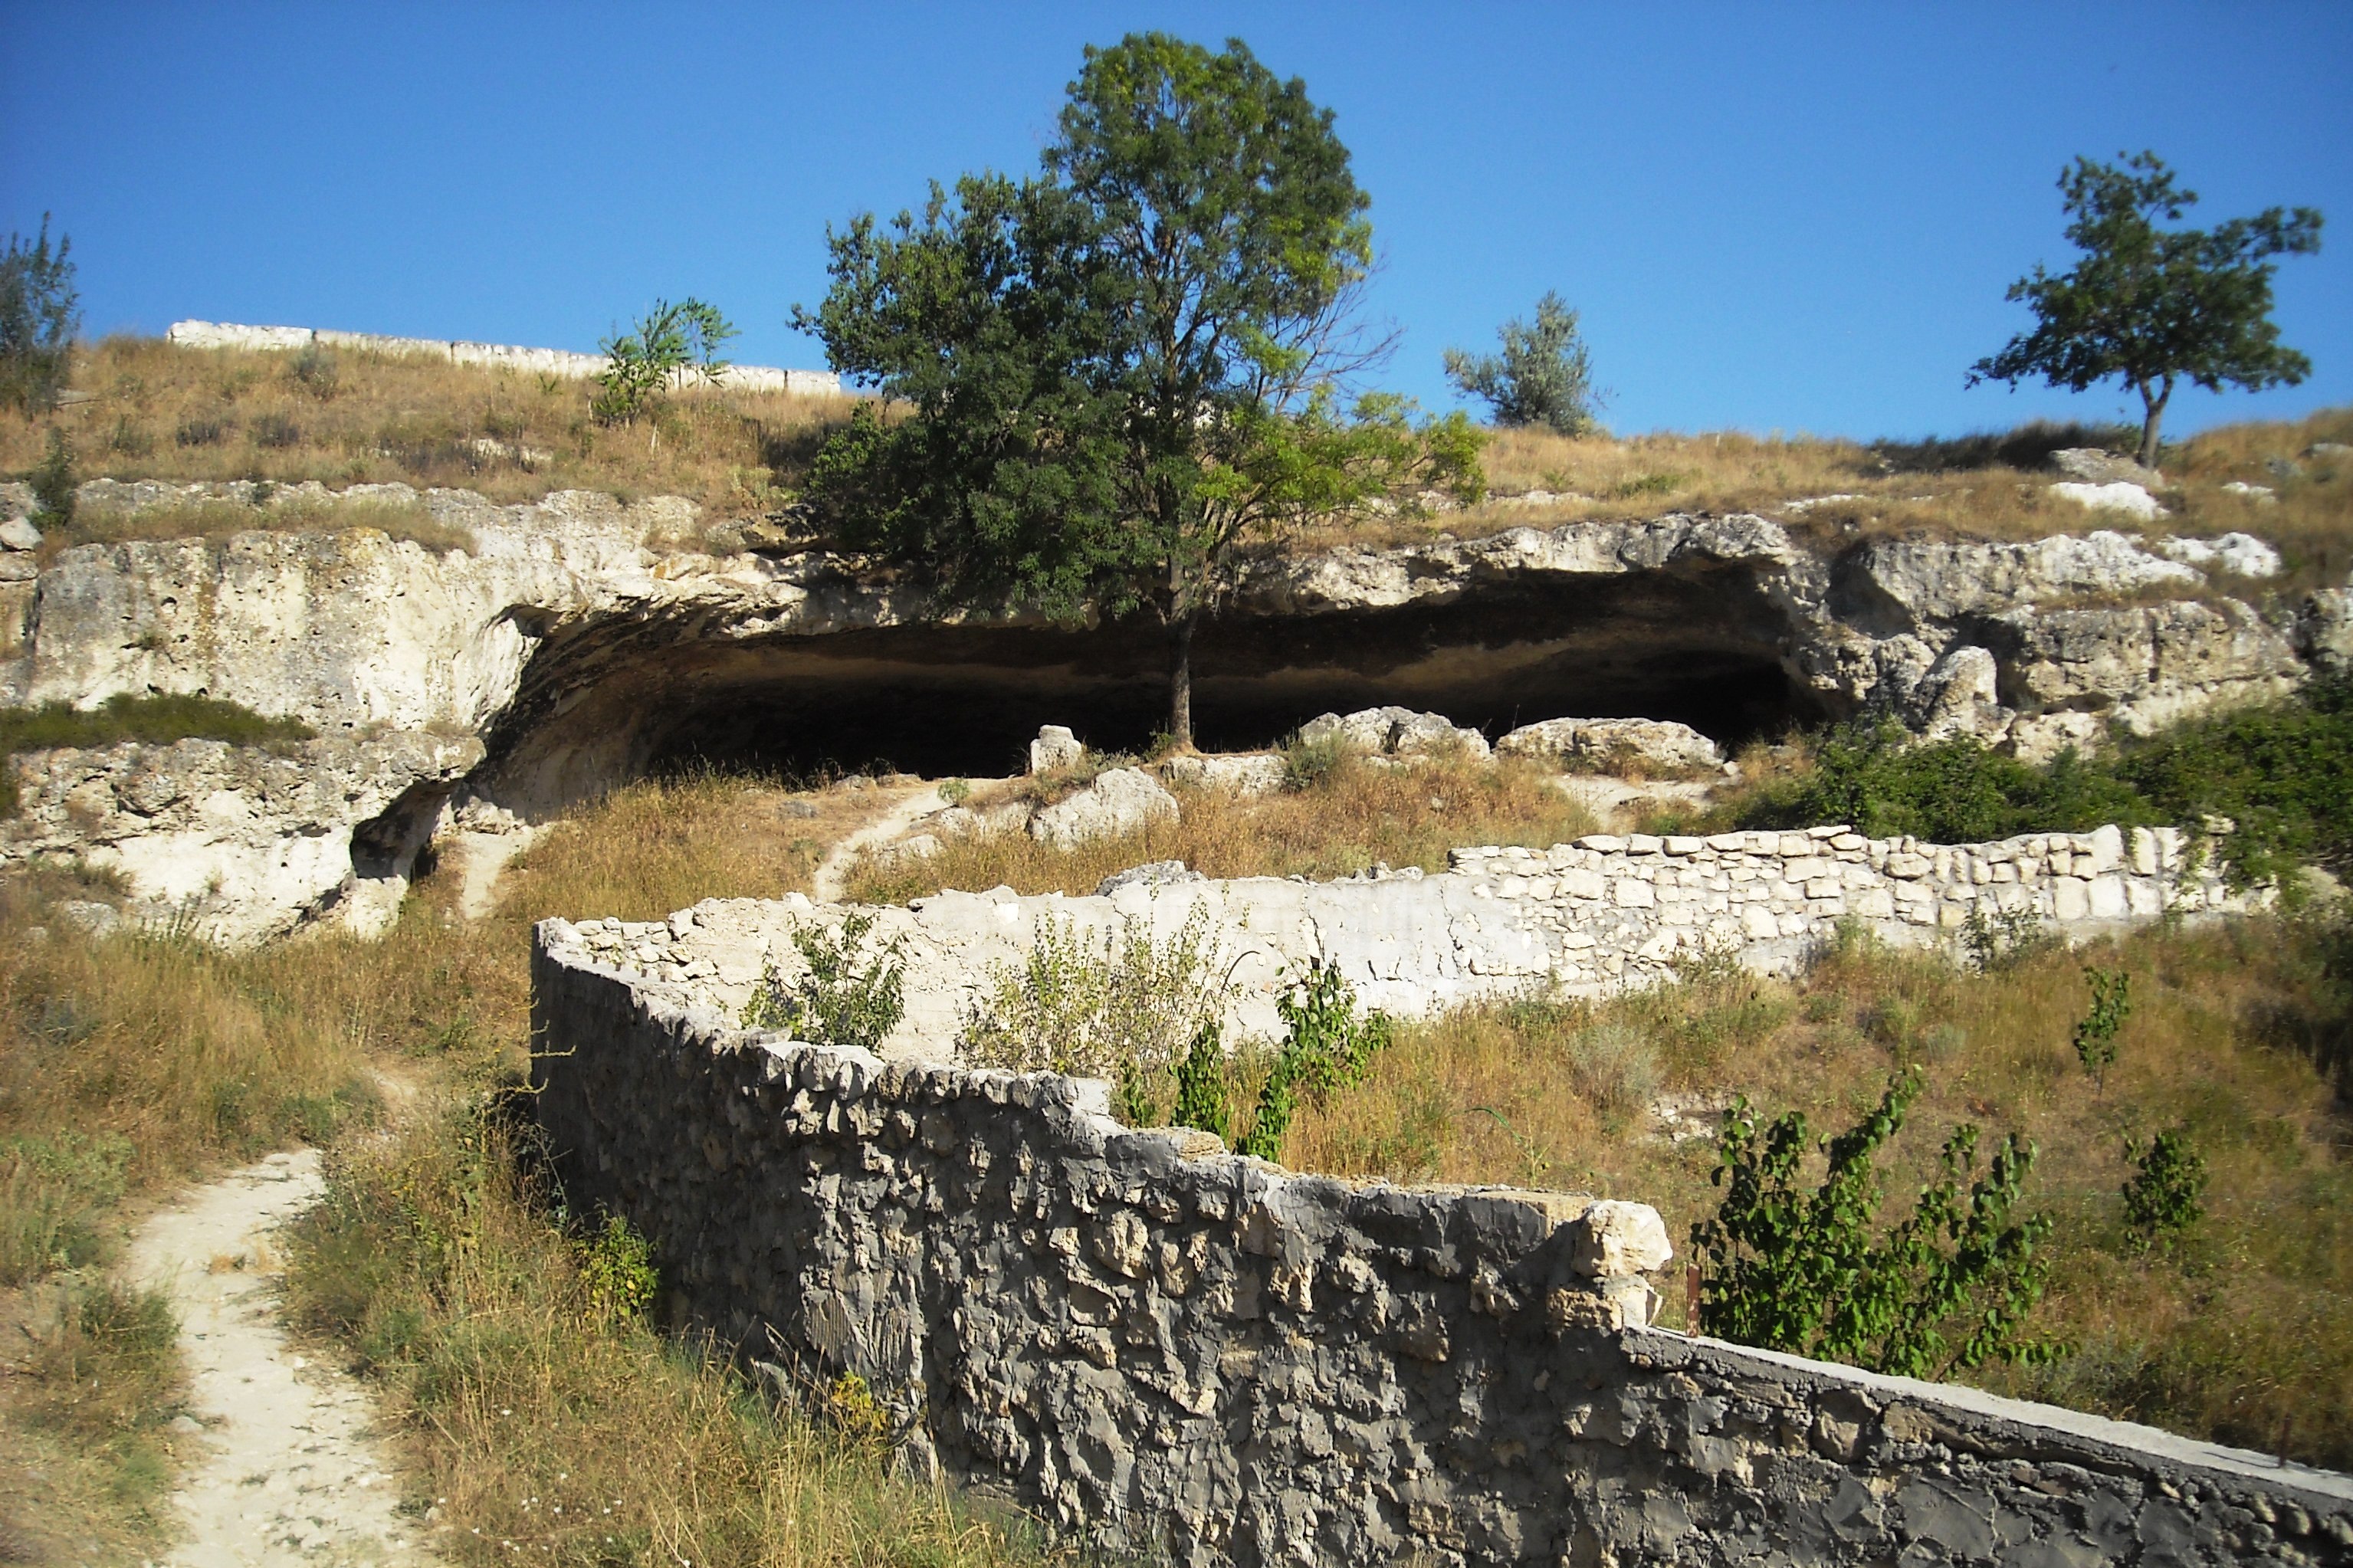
1120, 801
1174, 1353
581, 650
239, 843
1394, 731
1586, 918
1653, 745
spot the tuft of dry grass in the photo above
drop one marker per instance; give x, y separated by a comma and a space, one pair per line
2238, 1335
344, 416
1353, 817
220, 520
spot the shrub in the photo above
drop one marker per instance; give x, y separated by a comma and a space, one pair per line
54, 481
1955, 791
844, 1000
1544, 376
39, 311
616, 1270
1126, 1009
1202, 1082
641, 366
1614, 1067
1791, 1269
2161, 1196
2096, 1035
1995, 939
1326, 1047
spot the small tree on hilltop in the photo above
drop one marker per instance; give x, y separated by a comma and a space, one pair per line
1544, 376
1119, 371
40, 311
2151, 306
643, 364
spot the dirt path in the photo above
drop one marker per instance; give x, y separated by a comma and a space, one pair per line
293, 1474
895, 817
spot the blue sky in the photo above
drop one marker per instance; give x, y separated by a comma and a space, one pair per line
1784, 217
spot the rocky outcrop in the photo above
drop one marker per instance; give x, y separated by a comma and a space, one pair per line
1394, 731
1176, 1354
239, 843
1119, 802
581, 640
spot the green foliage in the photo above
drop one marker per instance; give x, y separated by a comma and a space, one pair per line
40, 311
1326, 1046
158, 721
54, 481
1798, 1270
1202, 1082
2281, 773
1544, 376
53, 1191
2149, 306
1120, 368
1306, 764
616, 1270
847, 998
1955, 791
642, 366
2095, 1034
1997, 939
2161, 1196
1123, 1007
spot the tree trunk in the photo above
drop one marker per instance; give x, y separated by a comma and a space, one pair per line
1180, 679
2155, 403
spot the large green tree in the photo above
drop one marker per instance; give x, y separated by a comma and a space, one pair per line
1102, 380
2153, 306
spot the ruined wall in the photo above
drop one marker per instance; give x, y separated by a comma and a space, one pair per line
1178, 1353
496, 356
1603, 914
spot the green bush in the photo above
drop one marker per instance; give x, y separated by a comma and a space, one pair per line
847, 998
2161, 1196
1201, 1083
2095, 1034
641, 366
39, 311
2281, 773
1326, 1046
1792, 1268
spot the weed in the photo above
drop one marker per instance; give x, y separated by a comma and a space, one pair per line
1202, 1082
2161, 1196
53, 479
1326, 1047
52, 1190
2095, 1035
1614, 1067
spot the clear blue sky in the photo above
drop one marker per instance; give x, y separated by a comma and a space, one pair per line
1773, 216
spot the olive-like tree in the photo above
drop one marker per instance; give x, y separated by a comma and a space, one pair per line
1111, 375
39, 312
2154, 305
1544, 376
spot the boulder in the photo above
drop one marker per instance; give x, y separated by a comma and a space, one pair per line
1598, 745
2131, 500
2323, 630
1055, 749
1393, 732
1246, 774
1960, 695
1620, 1239
2240, 553
18, 534
1120, 802
979, 822
2095, 467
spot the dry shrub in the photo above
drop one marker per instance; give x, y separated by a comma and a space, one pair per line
346, 416
546, 1424
1353, 816
2236, 1031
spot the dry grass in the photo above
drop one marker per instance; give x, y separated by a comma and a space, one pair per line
2240, 1336
1355, 817
346, 417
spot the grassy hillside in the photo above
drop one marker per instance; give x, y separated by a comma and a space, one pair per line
341, 418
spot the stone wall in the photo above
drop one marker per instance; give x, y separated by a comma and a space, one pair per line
497, 356
1174, 1352
1584, 918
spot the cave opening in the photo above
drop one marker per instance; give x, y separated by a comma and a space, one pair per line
947, 701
